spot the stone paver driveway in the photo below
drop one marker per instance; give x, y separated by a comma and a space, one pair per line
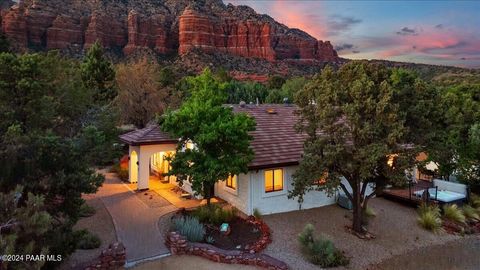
135, 223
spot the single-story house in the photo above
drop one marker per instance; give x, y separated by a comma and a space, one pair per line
278, 149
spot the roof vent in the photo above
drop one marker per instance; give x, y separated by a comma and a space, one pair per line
271, 111
243, 104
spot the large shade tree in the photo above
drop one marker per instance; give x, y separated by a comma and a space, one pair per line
356, 119
221, 137
141, 96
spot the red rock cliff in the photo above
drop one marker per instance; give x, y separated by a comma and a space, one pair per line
164, 26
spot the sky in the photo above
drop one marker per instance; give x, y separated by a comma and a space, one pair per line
431, 32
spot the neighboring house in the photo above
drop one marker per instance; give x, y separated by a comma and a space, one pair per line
278, 149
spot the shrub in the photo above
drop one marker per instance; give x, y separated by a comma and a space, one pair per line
87, 240
453, 213
210, 239
475, 200
214, 214
429, 218
470, 213
86, 210
121, 173
320, 250
189, 227
257, 214
369, 212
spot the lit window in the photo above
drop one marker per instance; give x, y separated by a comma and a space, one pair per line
391, 160
232, 182
322, 180
189, 145
273, 180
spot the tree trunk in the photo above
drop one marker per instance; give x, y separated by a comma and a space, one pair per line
357, 210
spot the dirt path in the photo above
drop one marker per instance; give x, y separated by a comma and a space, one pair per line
463, 254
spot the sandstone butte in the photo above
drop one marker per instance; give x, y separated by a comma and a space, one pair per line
165, 26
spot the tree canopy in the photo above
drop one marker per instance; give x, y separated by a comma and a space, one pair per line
356, 119
221, 138
44, 113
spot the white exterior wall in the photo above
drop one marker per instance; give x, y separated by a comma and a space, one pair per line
144, 153
239, 198
251, 194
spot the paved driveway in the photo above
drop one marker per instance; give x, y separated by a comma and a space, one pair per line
136, 224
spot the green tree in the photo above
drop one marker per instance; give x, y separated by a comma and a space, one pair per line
24, 224
355, 124
455, 149
38, 148
141, 96
221, 137
98, 75
275, 82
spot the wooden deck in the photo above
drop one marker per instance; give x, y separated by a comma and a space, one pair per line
406, 195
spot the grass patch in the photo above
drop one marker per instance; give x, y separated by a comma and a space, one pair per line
87, 240
320, 250
189, 227
453, 213
214, 214
369, 212
471, 213
429, 218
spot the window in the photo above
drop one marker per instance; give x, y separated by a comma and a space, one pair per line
231, 182
273, 180
322, 180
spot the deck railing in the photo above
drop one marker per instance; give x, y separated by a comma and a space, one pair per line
415, 187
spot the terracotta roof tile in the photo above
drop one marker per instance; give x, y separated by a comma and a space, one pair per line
275, 141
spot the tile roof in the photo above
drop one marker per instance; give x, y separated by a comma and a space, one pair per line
145, 136
275, 141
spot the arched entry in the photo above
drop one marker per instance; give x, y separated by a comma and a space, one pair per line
133, 167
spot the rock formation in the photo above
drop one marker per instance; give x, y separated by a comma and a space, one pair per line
162, 26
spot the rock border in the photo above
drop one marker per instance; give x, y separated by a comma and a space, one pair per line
112, 258
179, 245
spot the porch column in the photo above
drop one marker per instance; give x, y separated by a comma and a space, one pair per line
132, 164
143, 169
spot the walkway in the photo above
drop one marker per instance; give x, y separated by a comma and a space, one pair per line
135, 223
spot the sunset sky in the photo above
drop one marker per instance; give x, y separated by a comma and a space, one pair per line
433, 32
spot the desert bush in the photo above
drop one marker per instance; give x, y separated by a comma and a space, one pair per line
189, 227
86, 210
470, 213
214, 214
87, 240
257, 214
475, 200
320, 250
429, 218
121, 173
453, 213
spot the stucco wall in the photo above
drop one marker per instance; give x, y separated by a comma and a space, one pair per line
239, 197
273, 202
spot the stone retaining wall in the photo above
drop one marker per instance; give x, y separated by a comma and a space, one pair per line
112, 258
179, 245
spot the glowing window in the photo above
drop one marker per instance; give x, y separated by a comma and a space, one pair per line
232, 182
273, 180
391, 160
322, 180
189, 145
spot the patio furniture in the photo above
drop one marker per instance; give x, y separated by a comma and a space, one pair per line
344, 202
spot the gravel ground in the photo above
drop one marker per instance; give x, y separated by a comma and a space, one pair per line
395, 228
463, 254
100, 224
190, 263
